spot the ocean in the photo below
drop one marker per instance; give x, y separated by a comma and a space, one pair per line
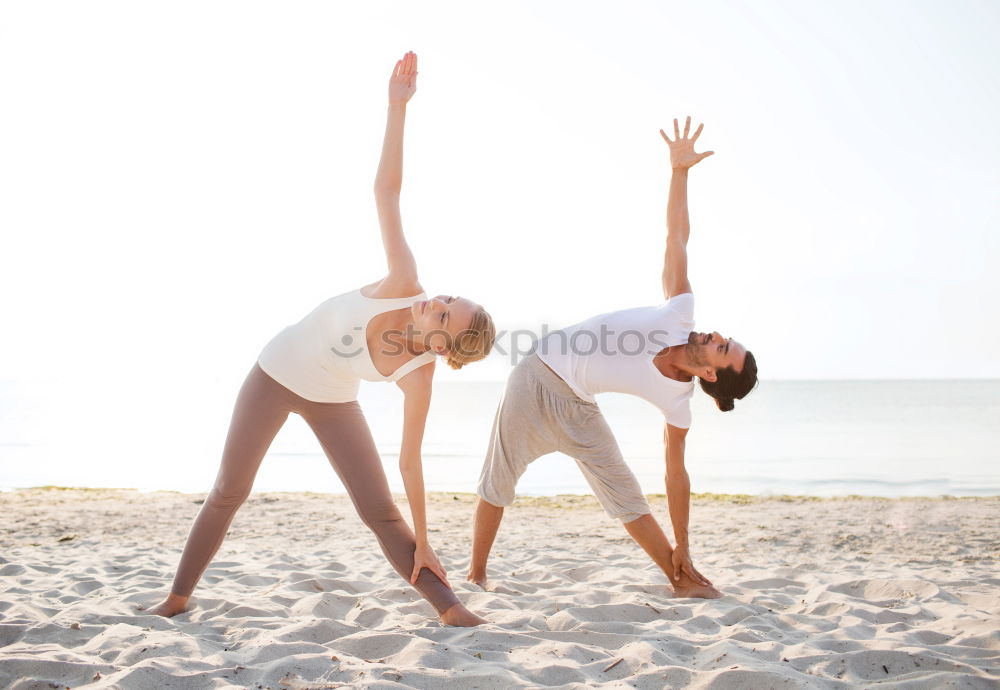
816, 438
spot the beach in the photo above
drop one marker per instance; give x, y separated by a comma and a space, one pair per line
844, 592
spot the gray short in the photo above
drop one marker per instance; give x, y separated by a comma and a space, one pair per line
540, 414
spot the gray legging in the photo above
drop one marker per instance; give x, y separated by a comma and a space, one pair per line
261, 409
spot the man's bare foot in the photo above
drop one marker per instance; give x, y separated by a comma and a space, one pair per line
461, 617
696, 591
170, 606
477, 579
686, 587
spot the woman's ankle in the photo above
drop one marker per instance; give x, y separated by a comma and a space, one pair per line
460, 616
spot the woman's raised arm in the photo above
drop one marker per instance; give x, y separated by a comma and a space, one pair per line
389, 179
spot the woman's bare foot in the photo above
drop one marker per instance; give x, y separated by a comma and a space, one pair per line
477, 579
461, 617
170, 606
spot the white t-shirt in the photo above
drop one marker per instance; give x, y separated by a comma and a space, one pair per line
614, 352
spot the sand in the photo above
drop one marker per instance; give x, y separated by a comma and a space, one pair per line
817, 593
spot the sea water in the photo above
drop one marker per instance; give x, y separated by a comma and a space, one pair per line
820, 438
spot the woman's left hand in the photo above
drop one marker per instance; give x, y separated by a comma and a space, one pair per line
403, 82
424, 557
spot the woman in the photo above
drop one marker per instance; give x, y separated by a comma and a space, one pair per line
386, 331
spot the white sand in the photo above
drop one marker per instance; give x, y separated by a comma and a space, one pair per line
831, 593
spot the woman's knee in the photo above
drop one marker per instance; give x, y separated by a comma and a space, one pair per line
379, 517
227, 496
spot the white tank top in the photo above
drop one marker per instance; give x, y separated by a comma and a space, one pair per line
614, 352
324, 357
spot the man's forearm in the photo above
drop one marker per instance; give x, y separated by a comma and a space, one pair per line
678, 504
678, 225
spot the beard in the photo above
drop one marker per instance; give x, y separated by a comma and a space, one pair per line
695, 351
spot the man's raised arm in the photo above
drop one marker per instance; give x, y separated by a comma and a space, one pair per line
682, 157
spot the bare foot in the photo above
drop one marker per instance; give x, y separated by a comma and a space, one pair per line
461, 617
696, 591
170, 606
477, 579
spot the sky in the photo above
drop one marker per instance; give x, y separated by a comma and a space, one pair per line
179, 181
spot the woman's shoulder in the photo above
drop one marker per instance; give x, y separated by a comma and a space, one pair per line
391, 287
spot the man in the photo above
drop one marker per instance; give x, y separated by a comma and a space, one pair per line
652, 352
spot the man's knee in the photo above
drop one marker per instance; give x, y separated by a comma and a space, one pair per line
494, 504
629, 518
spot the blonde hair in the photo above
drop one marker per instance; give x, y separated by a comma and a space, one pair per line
475, 342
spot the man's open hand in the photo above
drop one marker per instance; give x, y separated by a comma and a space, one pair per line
682, 155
